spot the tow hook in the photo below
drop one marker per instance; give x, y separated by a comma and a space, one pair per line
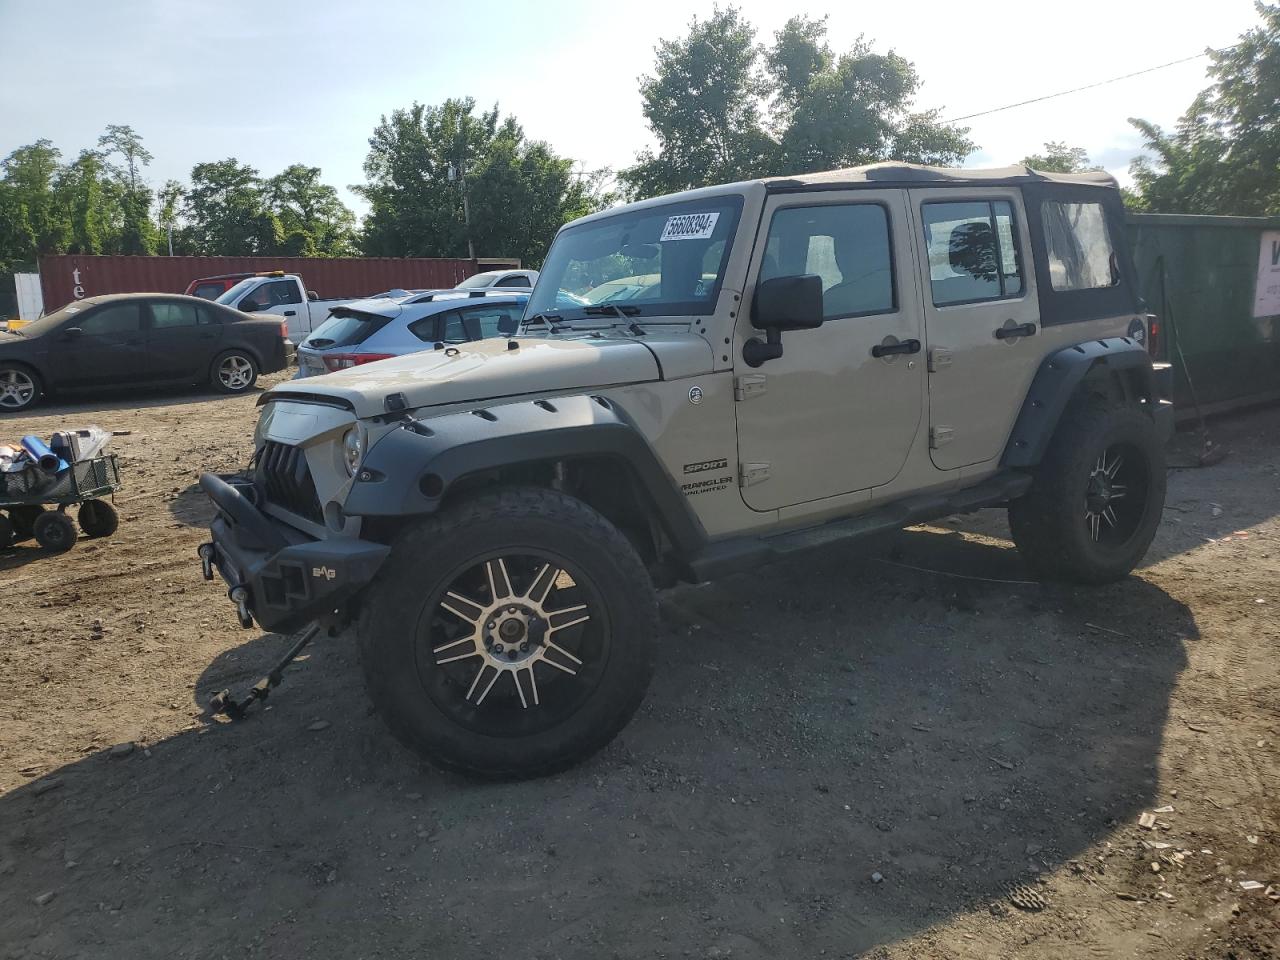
240, 597
205, 553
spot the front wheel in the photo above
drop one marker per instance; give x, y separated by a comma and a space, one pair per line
54, 531
511, 636
1097, 497
20, 388
98, 518
234, 372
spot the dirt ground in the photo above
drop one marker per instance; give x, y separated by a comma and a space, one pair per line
889, 752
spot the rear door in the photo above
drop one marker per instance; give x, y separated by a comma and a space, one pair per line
982, 317
111, 347
181, 340
830, 416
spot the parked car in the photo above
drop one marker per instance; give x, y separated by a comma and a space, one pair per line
137, 339
211, 288
283, 295
878, 347
378, 329
490, 279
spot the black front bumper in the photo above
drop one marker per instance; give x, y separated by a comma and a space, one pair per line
287, 578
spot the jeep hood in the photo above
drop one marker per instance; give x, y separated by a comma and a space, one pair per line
490, 369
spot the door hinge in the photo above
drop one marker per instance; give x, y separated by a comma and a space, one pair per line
752, 473
749, 385
939, 357
940, 436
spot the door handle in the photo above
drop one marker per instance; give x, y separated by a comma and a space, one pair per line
890, 349
291, 313
1021, 330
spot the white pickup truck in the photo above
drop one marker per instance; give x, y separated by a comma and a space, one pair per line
285, 296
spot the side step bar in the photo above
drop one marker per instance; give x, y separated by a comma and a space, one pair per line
745, 553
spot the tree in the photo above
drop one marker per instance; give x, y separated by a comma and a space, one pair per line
90, 208
314, 220
1221, 158
30, 172
226, 212
168, 207
137, 232
722, 108
1060, 158
519, 192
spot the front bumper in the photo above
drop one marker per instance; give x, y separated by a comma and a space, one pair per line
277, 575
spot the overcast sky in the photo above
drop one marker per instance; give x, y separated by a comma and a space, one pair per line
273, 83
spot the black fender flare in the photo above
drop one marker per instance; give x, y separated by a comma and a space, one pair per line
1056, 382
411, 470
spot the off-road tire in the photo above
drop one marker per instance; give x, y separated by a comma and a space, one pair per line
423, 562
224, 381
20, 388
55, 532
24, 520
98, 518
1050, 524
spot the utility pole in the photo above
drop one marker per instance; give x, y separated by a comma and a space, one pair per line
459, 172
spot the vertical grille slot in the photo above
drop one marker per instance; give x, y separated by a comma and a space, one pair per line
286, 480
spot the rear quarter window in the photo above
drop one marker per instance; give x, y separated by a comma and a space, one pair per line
1078, 246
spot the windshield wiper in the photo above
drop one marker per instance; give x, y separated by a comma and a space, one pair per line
548, 319
605, 309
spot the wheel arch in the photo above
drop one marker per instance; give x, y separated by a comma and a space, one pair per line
1118, 367
46, 383
582, 445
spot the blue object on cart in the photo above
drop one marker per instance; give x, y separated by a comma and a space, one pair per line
39, 451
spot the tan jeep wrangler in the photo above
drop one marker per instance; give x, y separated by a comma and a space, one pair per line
703, 383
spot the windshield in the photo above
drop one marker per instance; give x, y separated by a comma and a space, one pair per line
476, 281
664, 261
52, 320
236, 292
346, 331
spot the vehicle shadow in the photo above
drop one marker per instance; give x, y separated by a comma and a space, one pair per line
134, 398
809, 724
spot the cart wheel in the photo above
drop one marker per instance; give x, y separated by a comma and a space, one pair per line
98, 518
24, 521
55, 532
6, 533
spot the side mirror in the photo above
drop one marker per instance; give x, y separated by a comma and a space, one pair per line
782, 303
312, 295
249, 306
70, 333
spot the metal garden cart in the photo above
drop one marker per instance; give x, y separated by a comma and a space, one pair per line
24, 495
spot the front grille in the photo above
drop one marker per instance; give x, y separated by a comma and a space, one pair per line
286, 480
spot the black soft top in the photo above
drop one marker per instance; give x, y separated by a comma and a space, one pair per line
917, 175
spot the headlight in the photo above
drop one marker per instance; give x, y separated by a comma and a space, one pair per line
353, 449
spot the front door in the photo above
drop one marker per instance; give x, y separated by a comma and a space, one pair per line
983, 320
110, 347
835, 413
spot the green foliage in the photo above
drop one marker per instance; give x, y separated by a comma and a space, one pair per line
1223, 157
519, 191
225, 212
1060, 158
314, 220
723, 108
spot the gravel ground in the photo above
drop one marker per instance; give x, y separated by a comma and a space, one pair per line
899, 751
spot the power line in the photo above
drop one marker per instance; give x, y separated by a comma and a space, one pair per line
1089, 86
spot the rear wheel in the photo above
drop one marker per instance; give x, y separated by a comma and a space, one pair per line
6, 532
24, 520
1097, 497
511, 636
55, 532
234, 372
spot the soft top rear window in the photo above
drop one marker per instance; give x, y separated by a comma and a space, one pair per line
347, 330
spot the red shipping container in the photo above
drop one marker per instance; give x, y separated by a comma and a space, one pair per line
67, 277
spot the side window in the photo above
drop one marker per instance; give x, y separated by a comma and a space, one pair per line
279, 292
1078, 246
209, 291
517, 280
973, 251
165, 315
112, 320
481, 322
847, 245
454, 330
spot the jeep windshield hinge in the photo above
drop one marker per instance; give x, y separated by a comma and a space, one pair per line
939, 357
750, 385
752, 473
